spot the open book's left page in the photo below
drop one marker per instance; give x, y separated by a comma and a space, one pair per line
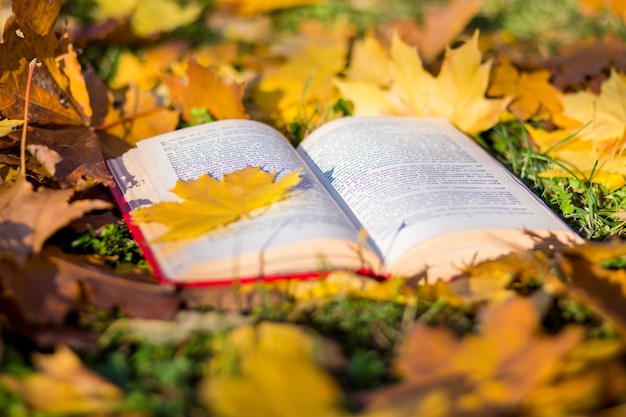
306, 232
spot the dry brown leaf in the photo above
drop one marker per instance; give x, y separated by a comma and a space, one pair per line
28, 217
31, 35
586, 63
51, 284
71, 156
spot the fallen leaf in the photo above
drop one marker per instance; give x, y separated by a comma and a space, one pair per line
593, 7
250, 7
70, 66
7, 126
141, 117
149, 17
602, 117
144, 69
50, 103
51, 284
592, 149
209, 203
586, 63
457, 93
604, 288
28, 217
203, 89
246, 376
369, 62
71, 156
492, 370
64, 385
302, 86
440, 26
533, 95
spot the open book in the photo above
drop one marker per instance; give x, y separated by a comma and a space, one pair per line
389, 195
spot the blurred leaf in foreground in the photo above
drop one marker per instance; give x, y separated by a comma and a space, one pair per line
488, 372
272, 370
64, 385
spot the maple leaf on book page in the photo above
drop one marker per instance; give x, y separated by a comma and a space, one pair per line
457, 93
208, 203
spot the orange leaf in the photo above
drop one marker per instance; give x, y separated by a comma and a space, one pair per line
142, 117
203, 89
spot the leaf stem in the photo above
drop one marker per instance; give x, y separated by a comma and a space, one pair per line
31, 69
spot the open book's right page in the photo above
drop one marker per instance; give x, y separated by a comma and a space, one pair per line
417, 183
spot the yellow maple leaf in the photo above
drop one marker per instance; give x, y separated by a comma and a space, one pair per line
144, 70
369, 62
594, 149
457, 93
603, 116
208, 203
533, 95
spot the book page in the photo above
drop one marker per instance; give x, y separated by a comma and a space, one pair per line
146, 174
406, 180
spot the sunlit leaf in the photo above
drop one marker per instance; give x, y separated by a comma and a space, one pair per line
457, 93
209, 203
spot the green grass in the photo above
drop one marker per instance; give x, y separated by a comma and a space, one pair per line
587, 207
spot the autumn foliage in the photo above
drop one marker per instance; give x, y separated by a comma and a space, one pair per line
534, 333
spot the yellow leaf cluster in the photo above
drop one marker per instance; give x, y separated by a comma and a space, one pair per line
209, 203
457, 93
592, 145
